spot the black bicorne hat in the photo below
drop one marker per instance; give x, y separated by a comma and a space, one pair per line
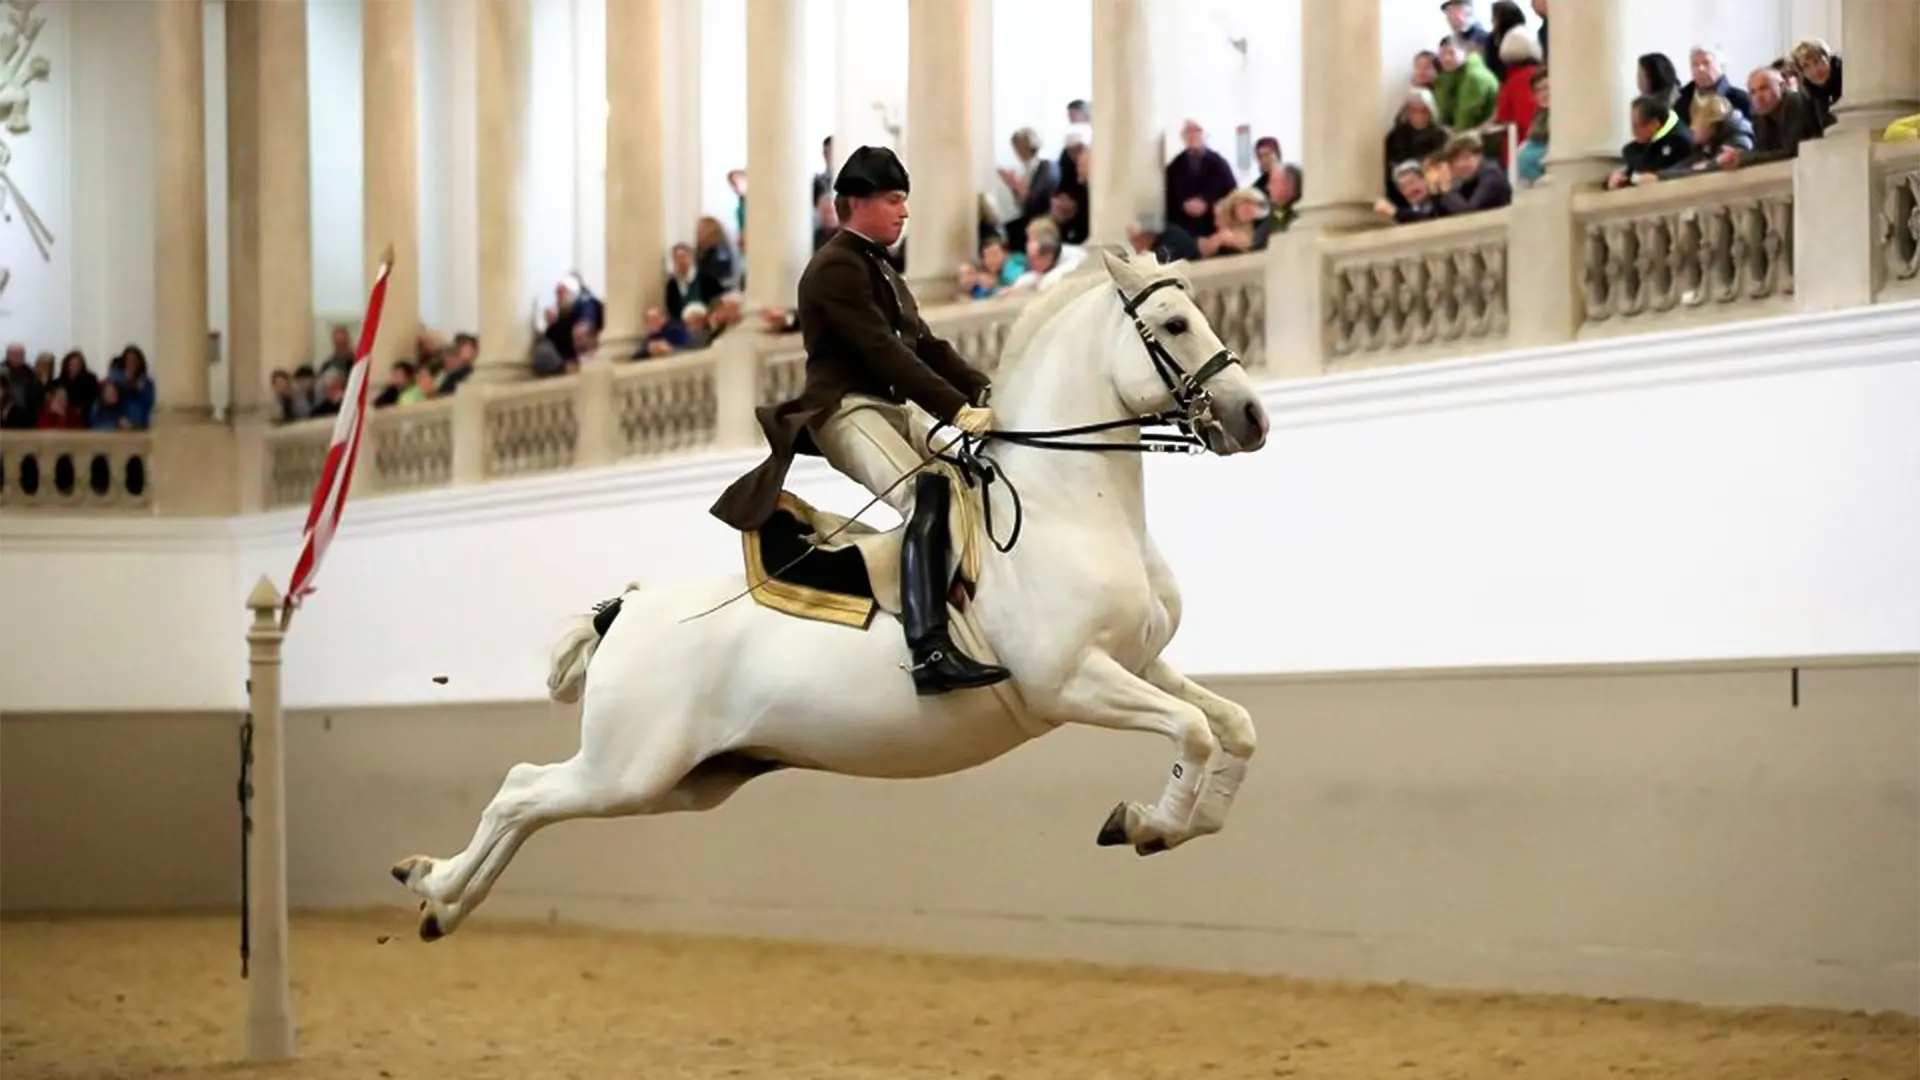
869, 170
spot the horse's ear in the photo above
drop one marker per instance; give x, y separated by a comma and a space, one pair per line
1123, 272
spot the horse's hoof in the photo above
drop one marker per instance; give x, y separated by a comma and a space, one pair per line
1152, 847
411, 870
1114, 832
430, 928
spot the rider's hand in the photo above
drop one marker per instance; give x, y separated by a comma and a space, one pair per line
973, 421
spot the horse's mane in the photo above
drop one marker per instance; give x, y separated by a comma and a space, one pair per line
1081, 280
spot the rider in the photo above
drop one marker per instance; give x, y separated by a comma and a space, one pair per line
868, 354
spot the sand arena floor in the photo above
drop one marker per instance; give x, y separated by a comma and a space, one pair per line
90, 999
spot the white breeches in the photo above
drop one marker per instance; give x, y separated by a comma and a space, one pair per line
875, 443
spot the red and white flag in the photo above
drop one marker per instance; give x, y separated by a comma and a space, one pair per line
343, 451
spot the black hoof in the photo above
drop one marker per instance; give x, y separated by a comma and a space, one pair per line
399, 874
1151, 847
430, 929
1114, 832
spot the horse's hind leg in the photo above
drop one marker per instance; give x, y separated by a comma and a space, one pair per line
614, 775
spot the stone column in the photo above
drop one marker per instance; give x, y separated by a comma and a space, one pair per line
780, 154
1591, 98
1344, 154
1128, 157
269, 221
680, 103
1838, 261
503, 57
193, 457
940, 145
636, 165
1343, 157
390, 170
1591, 103
179, 350
1880, 53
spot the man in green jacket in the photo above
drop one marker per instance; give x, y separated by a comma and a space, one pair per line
1465, 91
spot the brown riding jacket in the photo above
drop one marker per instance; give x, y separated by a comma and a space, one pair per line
864, 335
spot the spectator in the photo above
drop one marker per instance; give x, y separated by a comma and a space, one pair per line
574, 307
458, 367
1197, 178
693, 322
1283, 198
1655, 77
997, 269
1266, 156
1234, 218
1466, 91
1416, 133
1530, 161
1710, 79
688, 283
333, 394
1047, 259
663, 337
341, 358
57, 413
23, 390
110, 411
137, 391
82, 386
1819, 77
1516, 106
1507, 17
1416, 199
1660, 141
1470, 181
1716, 127
1426, 69
1032, 183
713, 252
1468, 35
400, 379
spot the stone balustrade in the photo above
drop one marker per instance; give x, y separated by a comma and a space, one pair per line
1896, 182
1664, 256
75, 470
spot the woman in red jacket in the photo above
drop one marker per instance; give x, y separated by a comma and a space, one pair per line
1520, 52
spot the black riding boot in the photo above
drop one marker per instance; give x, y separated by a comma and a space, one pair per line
937, 665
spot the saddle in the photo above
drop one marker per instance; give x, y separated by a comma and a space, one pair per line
813, 564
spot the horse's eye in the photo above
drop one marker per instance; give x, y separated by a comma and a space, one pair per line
1176, 326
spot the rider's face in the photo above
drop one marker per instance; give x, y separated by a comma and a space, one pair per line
882, 217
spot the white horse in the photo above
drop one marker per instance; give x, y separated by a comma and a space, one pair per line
678, 714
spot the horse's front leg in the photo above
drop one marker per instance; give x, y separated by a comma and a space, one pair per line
1232, 728
1101, 693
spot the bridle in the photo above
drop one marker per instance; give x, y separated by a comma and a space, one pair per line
1192, 413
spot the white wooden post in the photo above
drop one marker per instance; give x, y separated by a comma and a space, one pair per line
269, 1005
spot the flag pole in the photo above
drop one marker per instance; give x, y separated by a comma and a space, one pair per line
343, 454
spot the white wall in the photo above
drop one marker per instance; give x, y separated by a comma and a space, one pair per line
87, 168
1745, 492
37, 305
336, 157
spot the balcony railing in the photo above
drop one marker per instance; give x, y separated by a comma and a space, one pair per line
1676, 254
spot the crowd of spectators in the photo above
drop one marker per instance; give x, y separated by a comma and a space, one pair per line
69, 396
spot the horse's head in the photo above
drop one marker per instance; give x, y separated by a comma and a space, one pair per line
1182, 366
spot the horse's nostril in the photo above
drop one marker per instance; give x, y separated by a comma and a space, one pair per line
1257, 417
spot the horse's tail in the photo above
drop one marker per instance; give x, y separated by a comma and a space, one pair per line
567, 674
